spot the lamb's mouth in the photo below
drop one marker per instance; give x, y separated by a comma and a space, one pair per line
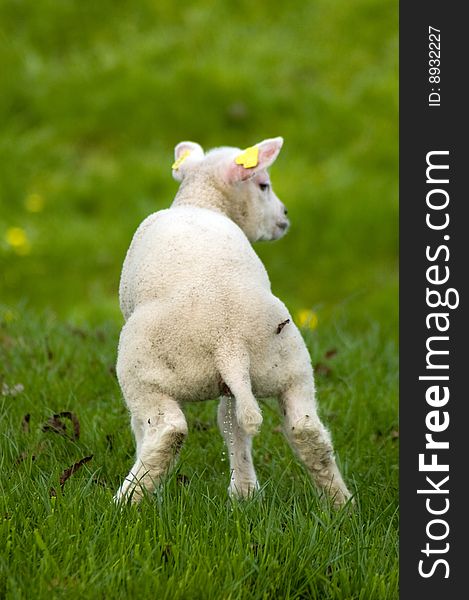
281, 228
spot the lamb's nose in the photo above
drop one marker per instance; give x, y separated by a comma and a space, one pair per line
282, 224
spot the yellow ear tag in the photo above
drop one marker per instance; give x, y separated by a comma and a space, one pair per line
176, 164
249, 158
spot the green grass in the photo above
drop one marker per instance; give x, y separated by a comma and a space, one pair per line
95, 95
190, 541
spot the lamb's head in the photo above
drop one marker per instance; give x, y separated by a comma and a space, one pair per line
235, 182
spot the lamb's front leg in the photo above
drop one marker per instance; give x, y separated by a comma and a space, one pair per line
312, 442
243, 480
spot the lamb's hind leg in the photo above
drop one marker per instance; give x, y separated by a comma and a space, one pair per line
243, 481
312, 442
160, 428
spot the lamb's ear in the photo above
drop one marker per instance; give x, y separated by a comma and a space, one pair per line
254, 159
186, 155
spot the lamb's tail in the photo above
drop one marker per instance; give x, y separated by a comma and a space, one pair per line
233, 366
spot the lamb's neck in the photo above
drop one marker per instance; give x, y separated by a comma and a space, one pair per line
203, 194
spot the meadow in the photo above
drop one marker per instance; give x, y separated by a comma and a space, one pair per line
94, 98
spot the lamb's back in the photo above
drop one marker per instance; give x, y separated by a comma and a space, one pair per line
193, 256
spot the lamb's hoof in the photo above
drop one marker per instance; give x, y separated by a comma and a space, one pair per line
250, 420
342, 497
128, 494
243, 489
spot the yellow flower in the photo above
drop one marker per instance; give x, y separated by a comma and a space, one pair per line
9, 316
16, 238
307, 319
34, 203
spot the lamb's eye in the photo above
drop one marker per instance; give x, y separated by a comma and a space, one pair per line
264, 186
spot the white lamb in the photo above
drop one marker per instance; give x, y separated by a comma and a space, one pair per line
202, 322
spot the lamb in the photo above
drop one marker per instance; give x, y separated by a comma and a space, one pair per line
201, 322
